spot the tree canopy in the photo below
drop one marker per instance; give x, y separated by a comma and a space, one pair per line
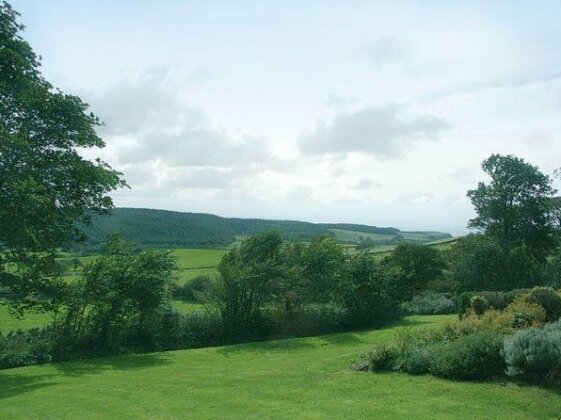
48, 190
515, 207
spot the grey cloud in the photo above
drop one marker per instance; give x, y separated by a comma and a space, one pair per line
386, 50
205, 178
383, 132
196, 146
154, 134
367, 184
147, 121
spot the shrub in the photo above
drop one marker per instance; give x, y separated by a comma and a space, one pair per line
535, 353
382, 358
464, 303
500, 322
203, 329
24, 348
548, 299
431, 304
525, 313
473, 356
496, 299
479, 304
418, 361
197, 289
311, 319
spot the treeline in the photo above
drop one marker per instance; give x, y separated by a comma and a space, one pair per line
266, 288
167, 229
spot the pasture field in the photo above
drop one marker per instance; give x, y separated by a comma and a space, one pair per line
304, 378
197, 262
9, 322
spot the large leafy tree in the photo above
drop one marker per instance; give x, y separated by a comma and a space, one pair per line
515, 207
250, 276
419, 264
47, 189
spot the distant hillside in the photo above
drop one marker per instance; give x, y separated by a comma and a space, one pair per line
170, 229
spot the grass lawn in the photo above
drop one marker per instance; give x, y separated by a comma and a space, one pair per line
305, 378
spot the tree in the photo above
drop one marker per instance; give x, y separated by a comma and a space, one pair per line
368, 293
250, 276
480, 263
419, 264
47, 189
515, 207
322, 264
120, 294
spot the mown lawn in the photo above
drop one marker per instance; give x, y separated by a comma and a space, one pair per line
304, 378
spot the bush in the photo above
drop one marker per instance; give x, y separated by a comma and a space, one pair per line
431, 304
197, 289
382, 358
495, 299
500, 322
418, 361
473, 356
535, 353
202, 329
526, 314
311, 319
479, 304
548, 299
24, 348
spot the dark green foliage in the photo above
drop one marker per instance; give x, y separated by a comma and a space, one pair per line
47, 188
322, 265
119, 299
514, 208
478, 262
535, 353
495, 299
418, 264
369, 293
474, 356
197, 289
310, 319
382, 358
249, 278
479, 304
430, 303
469, 357
553, 269
548, 299
24, 348
168, 229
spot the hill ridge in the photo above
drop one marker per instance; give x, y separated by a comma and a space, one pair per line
169, 228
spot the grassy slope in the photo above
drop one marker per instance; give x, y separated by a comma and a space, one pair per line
297, 378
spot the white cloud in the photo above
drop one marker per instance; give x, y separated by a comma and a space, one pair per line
386, 132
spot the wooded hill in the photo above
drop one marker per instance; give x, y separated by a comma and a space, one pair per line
170, 229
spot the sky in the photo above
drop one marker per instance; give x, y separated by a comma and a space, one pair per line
374, 112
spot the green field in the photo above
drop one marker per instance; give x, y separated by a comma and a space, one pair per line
306, 378
9, 322
197, 262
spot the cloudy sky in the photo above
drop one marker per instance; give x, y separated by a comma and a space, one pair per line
376, 112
